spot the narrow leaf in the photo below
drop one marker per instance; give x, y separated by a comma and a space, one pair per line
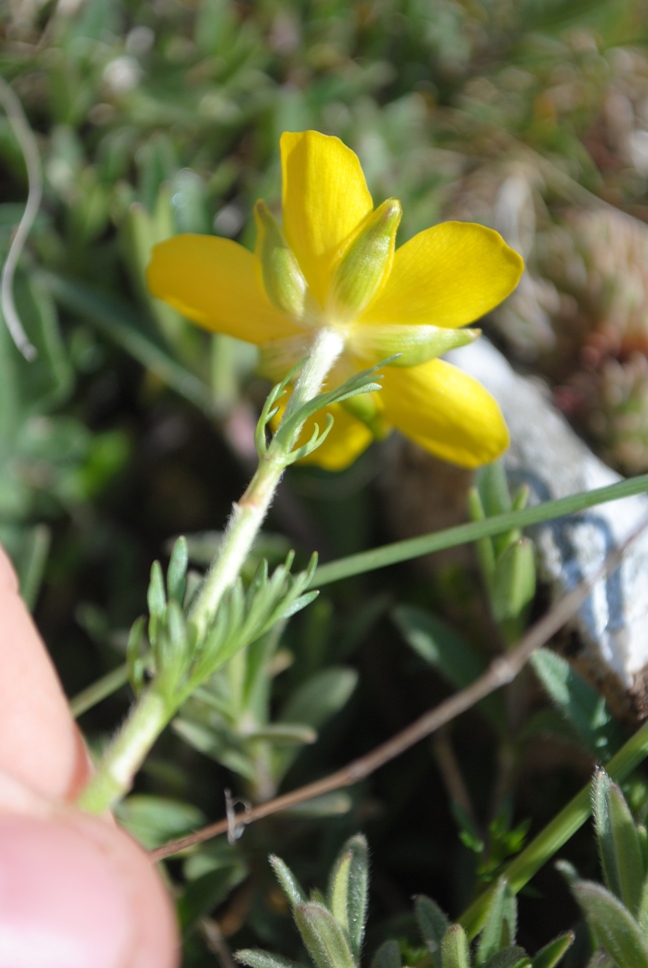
262, 959
387, 956
455, 952
433, 925
440, 646
513, 582
323, 937
621, 853
584, 709
348, 891
499, 928
289, 883
553, 952
134, 662
177, 572
156, 597
512, 957
612, 924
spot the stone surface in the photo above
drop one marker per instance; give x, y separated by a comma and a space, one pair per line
611, 645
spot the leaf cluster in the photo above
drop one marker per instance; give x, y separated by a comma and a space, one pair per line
173, 654
617, 913
332, 926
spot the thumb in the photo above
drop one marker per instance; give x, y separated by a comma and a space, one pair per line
76, 891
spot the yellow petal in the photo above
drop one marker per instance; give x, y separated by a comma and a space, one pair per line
215, 283
448, 275
325, 197
446, 412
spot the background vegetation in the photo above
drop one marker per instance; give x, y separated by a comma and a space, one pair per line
132, 427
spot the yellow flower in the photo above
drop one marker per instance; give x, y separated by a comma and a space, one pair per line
334, 265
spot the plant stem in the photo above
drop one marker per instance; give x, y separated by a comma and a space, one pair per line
153, 710
249, 513
114, 776
520, 871
392, 554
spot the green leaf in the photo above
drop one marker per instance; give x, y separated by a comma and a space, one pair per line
581, 705
433, 925
155, 820
156, 596
135, 664
206, 892
262, 959
512, 957
120, 324
37, 386
289, 883
612, 924
348, 891
484, 546
323, 937
177, 571
282, 734
513, 582
217, 743
553, 952
500, 925
619, 844
493, 489
320, 697
388, 955
455, 952
440, 646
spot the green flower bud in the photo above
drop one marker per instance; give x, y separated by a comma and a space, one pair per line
366, 262
365, 408
415, 344
283, 280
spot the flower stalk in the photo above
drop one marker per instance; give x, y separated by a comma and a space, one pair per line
158, 703
249, 513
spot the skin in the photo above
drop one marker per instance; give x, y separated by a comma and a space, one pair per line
75, 890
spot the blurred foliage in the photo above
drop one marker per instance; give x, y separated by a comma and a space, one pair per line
159, 116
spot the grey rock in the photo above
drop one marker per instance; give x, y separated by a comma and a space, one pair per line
612, 627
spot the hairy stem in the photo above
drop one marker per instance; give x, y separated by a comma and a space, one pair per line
127, 752
249, 513
153, 710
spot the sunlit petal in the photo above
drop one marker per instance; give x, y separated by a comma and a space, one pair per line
446, 412
215, 283
448, 275
325, 197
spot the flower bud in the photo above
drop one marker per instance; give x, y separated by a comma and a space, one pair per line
366, 408
283, 280
415, 344
366, 262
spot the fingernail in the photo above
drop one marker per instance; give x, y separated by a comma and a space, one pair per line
61, 903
